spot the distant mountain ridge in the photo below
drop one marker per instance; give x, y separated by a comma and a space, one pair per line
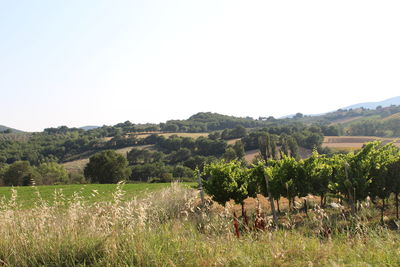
374, 105
368, 105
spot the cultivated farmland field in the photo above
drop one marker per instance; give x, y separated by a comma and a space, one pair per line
192, 135
76, 166
350, 143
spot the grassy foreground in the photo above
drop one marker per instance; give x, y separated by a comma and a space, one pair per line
168, 228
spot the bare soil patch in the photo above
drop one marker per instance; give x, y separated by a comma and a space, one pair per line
350, 143
232, 141
251, 154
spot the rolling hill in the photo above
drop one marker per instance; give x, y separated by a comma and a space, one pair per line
366, 105
4, 128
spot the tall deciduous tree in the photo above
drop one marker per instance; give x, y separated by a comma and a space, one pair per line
107, 167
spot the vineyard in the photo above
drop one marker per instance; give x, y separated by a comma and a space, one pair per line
346, 179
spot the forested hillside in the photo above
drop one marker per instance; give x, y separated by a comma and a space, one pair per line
161, 152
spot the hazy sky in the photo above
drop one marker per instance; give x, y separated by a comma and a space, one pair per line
96, 62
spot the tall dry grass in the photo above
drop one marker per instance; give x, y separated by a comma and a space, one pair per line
171, 228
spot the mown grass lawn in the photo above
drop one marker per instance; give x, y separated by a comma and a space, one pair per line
27, 196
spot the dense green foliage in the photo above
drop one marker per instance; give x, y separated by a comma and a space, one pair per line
207, 121
288, 135
19, 173
107, 167
58, 145
52, 173
228, 181
64, 144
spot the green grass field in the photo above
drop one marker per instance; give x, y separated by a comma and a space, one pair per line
168, 227
27, 196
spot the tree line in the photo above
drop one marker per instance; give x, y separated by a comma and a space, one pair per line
22, 173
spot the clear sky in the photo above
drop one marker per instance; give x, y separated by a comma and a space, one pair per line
96, 62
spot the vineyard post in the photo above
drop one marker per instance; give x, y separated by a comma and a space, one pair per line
397, 205
266, 147
305, 206
200, 186
351, 196
271, 201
